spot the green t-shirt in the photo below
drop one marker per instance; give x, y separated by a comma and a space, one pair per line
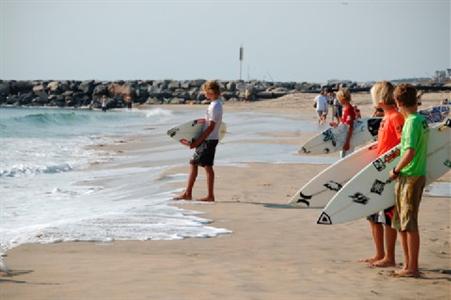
415, 135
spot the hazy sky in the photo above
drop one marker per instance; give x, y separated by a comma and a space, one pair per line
283, 40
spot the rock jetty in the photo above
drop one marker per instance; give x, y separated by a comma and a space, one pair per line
72, 93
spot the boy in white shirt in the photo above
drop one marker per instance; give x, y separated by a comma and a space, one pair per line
206, 144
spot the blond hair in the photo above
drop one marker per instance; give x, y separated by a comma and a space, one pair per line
344, 93
211, 86
382, 91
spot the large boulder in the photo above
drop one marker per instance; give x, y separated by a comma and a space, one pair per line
40, 88
197, 83
100, 89
86, 87
227, 95
53, 86
121, 90
230, 86
39, 101
20, 87
173, 85
4, 89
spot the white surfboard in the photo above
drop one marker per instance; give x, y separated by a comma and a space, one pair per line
370, 191
321, 188
332, 139
188, 132
435, 114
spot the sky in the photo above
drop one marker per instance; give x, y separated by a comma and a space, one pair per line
285, 40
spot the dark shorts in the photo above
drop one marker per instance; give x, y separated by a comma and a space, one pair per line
205, 153
384, 217
338, 111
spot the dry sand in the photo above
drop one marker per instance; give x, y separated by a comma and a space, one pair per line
274, 252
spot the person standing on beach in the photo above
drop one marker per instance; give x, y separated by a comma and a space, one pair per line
348, 118
129, 101
410, 173
206, 144
104, 103
389, 136
321, 106
337, 108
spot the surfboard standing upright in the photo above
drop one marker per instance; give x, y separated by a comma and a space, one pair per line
370, 191
188, 132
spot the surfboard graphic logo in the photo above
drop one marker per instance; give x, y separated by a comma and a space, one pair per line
378, 187
329, 136
172, 132
380, 164
359, 198
324, 219
304, 199
447, 163
333, 186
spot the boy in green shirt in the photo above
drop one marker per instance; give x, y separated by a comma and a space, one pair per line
410, 173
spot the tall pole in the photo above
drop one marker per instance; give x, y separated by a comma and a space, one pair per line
241, 59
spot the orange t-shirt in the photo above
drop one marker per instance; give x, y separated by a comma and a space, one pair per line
389, 134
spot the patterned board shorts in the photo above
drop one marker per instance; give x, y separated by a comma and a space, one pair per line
383, 217
205, 153
408, 192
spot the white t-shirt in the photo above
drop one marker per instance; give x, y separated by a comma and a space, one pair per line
214, 113
321, 103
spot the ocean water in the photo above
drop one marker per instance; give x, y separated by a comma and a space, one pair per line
49, 192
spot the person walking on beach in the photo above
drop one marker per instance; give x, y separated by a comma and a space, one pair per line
337, 108
206, 144
410, 175
348, 117
129, 102
321, 106
389, 135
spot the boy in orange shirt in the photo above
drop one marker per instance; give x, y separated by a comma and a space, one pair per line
389, 135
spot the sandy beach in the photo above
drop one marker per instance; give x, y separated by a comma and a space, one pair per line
274, 251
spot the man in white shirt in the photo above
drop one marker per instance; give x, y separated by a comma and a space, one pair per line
321, 106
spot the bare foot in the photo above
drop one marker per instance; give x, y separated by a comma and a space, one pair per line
183, 197
370, 260
406, 273
207, 199
383, 263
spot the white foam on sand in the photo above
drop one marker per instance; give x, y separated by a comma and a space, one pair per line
74, 203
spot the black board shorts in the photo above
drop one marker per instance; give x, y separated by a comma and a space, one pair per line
205, 153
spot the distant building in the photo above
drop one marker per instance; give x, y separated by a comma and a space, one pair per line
440, 75
448, 71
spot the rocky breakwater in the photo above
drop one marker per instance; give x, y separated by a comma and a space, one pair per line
89, 93
71, 93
